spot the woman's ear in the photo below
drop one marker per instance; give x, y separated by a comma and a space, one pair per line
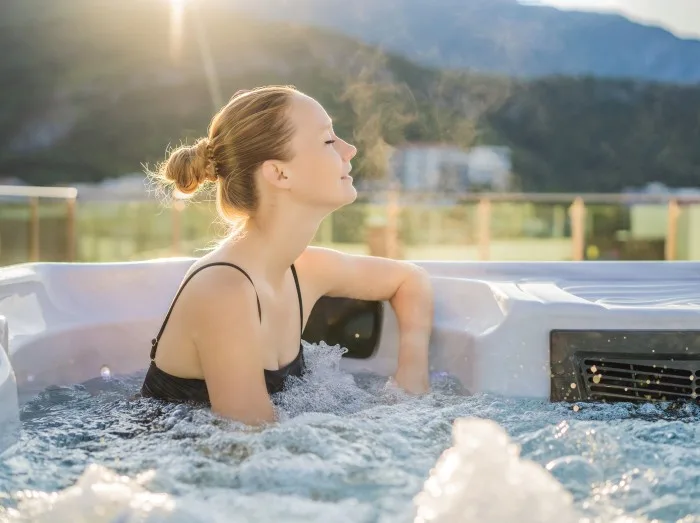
276, 174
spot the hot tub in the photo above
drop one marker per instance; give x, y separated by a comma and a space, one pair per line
563, 331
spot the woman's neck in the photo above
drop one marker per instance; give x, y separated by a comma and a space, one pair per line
272, 243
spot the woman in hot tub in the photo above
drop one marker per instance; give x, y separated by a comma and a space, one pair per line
232, 334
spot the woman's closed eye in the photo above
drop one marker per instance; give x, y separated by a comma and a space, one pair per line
329, 142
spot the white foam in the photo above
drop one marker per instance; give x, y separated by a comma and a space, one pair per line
483, 478
324, 388
99, 496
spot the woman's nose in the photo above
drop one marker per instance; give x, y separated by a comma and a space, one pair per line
350, 152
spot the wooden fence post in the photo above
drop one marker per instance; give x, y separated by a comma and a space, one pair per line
393, 210
34, 229
577, 213
483, 221
670, 247
70, 229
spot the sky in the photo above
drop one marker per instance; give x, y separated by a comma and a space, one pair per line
681, 17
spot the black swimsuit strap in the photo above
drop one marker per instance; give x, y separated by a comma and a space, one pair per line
154, 341
301, 305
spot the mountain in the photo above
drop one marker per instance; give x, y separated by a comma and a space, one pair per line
500, 36
100, 88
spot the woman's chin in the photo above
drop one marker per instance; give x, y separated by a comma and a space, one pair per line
352, 193
348, 195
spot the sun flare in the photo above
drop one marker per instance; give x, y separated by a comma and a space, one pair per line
177, 15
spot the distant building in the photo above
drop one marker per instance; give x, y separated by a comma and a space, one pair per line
447, 168
660, 188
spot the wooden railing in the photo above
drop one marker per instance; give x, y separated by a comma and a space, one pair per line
577, 213
33, 194
393, 200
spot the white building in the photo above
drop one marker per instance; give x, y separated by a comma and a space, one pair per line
437, 167
663, 189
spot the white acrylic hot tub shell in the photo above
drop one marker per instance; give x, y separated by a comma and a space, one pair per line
9, 416
68, 320
504, 312
491, 325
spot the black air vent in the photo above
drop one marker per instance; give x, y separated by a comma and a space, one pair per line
624, 365
620, 380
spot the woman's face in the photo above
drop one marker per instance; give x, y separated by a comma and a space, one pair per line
321, 165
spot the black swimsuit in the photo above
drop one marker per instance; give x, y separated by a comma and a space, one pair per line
161, 385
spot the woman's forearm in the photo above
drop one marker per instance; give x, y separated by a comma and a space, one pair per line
413, 305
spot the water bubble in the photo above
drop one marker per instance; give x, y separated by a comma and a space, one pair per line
105, 372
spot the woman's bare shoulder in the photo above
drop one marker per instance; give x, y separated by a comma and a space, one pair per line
215, 283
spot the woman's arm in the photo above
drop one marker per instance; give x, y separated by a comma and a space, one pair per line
226, 332
405, 285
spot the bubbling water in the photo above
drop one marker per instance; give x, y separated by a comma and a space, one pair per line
100, 496
483, 478
348, 449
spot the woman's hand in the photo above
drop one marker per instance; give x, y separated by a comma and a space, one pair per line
412, 379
